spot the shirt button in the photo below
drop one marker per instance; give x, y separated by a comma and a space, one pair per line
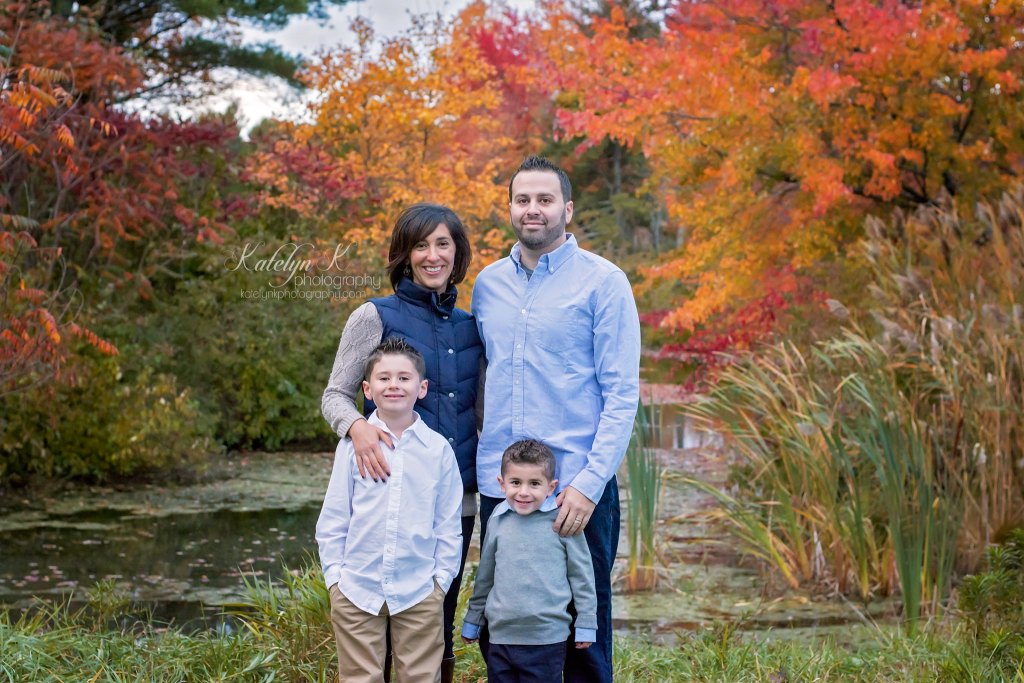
451, 395
524, 311
517, 381
451, 351
517, 418
451, 440
519, 346
445, 317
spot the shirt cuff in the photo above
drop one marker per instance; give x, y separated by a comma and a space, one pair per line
583, 635
470, 631
590, 485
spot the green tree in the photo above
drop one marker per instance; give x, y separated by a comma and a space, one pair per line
181, 42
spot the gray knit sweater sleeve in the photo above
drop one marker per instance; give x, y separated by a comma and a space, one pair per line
361, 336
580, 570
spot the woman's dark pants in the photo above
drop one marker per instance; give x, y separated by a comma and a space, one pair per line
594, 664
451, 600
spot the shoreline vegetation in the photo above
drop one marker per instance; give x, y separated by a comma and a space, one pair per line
283, 633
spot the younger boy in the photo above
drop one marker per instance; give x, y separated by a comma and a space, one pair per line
389, 552
528, 574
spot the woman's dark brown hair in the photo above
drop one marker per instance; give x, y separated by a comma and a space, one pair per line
416, 224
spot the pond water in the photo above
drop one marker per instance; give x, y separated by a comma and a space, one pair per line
183, 551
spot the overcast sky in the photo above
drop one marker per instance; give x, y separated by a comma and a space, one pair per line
260, 98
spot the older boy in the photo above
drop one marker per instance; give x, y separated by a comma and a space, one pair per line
528, 574
389, 552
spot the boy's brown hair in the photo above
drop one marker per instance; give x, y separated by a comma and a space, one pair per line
396, 346
530, 452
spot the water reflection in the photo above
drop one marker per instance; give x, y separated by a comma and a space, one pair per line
198, 557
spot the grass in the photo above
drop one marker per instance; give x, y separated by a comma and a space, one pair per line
285, 635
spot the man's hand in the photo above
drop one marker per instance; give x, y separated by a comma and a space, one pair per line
583, 646
574, 513
467, 641
366, 442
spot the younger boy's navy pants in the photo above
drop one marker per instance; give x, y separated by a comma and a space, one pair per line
525, 663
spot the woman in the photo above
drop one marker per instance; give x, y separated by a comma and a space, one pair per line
429, 255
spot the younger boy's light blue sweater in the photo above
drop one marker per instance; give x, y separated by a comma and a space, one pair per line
526, 578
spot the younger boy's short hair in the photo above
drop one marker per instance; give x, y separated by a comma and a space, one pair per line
529, 452
396, 346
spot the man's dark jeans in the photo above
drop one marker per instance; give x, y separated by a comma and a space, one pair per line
525, 663
594, 664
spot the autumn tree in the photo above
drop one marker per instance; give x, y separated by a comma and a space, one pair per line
99, 211
771, 128
416, 118
36, 121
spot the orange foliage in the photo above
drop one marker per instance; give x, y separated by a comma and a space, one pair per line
772, 126
418, 117
83, 181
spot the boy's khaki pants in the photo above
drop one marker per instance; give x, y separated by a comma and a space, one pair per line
417, 640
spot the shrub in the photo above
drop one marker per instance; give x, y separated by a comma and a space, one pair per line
992, 604
98, 424
258, 367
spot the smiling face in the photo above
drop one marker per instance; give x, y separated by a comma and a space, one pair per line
394, 385
432, 259
538, 212
525, 486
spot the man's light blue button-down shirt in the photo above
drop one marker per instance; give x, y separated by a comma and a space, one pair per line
563, 364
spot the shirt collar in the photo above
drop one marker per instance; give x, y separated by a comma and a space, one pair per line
418, 427
546, 506
552, 260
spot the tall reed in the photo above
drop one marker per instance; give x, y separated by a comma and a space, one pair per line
949, 295
922, 507
893, 452
799, 502
644, 486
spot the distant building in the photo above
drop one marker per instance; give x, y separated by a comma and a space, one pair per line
669, 428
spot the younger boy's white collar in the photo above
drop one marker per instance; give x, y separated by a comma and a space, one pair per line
547, 505
417, 427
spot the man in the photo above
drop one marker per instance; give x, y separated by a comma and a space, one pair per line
562, 338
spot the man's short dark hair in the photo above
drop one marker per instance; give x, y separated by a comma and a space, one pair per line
529, 452
396, 346
542, 164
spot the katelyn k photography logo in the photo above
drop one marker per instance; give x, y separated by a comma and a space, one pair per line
290, 266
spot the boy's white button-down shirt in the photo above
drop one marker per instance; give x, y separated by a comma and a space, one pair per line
389, 541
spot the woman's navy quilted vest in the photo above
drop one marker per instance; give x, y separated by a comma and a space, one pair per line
448, 339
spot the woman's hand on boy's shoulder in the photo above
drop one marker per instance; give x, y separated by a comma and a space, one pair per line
366, 440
